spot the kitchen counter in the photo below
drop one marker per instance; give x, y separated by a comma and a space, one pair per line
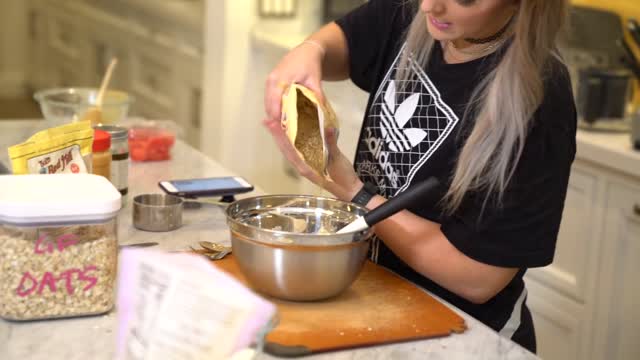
93, 337
613, 151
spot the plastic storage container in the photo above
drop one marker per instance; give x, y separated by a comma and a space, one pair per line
150, 143
59, 246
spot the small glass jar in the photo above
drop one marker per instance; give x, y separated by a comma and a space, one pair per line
59, 249
101, 157
119, 157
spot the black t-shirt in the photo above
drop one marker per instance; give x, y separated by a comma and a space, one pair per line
416, 130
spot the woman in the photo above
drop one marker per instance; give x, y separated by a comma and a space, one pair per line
474, 93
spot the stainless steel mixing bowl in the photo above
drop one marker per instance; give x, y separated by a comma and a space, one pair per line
286, 245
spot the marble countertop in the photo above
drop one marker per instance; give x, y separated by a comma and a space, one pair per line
612, 151
93, 337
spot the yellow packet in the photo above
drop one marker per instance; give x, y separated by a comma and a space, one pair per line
305, 121
59, 150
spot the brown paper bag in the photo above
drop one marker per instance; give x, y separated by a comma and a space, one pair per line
305, 121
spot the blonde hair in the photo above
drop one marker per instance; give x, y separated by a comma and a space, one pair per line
503, 103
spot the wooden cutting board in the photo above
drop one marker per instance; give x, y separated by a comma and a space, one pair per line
379, 308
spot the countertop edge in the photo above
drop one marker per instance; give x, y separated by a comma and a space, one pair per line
611, 151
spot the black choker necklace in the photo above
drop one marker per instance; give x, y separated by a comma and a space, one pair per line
491, 38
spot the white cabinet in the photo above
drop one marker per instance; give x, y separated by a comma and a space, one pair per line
152, 80
558, 292
36, 51
584, 303
557, 320
67, 47
617, 334
188, 92
158, 50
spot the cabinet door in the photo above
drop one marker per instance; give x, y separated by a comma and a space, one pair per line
68, 48
153, 78
188, 95
558, 293
617, 325
558, 322
39, 67
577, 240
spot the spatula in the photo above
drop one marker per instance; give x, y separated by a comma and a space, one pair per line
95, 112
411, 196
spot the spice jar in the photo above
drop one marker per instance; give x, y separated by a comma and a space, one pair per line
101, 158
119, 157
59, 248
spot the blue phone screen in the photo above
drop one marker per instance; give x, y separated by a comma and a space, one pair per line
197, 185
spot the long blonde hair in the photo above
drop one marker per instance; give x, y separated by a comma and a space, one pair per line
505, 100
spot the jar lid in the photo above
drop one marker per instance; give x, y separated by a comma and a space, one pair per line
101, 141
57, 199
117, 132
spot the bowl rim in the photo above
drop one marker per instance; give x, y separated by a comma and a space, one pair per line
248, 199
138, 200
40, 94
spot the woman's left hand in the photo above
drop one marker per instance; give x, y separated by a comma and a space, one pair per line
343, 183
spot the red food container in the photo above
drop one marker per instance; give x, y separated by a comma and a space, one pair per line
150, 143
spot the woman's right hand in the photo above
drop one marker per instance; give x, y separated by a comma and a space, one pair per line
302, 65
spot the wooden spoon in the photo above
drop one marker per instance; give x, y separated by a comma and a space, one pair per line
94, 114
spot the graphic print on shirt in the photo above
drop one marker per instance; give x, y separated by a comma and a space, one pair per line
406, 125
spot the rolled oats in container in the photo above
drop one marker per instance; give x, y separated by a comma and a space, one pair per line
58, 245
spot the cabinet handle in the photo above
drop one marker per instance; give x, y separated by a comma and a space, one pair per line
636, 209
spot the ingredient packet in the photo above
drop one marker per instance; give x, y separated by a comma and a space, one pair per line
59, 150
179, 306
305, 121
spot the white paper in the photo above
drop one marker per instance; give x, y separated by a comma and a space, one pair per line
177, 313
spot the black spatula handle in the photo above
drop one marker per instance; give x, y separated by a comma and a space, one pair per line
411, 196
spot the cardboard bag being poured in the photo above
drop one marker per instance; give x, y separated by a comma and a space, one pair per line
305, 121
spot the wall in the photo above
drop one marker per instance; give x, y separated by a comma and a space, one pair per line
240, 52
227, 27
13, 41
235, 72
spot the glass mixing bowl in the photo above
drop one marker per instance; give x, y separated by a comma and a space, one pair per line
64, 105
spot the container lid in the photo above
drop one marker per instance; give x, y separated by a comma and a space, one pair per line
117, 132
101, 141
57, 199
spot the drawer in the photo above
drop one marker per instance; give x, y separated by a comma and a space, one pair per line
65, 35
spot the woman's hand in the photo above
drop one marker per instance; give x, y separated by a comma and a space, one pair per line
302, 65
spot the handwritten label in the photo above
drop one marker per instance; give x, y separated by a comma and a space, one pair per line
32, 284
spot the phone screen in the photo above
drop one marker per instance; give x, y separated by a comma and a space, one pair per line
200, 185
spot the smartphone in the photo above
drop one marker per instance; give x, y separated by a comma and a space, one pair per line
216, 186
